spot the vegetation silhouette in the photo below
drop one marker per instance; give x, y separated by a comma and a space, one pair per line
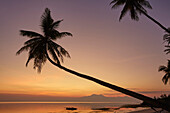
166, 70
135, 7
166, 39
39, 46
164, 98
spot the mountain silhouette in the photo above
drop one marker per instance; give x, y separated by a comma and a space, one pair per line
41, 98
102, 98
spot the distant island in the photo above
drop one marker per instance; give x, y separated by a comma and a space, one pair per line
44, 98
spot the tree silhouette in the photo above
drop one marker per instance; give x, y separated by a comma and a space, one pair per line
135, 7
166, 70
39, 46
166, 39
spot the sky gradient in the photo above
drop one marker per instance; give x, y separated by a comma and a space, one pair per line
126, 53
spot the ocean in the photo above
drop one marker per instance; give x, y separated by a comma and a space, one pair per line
60, 107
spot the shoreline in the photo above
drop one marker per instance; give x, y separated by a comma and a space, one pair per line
149, 111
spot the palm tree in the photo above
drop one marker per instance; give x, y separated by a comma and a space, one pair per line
39, 47
166, 37
165, 69
39, 44
135, 7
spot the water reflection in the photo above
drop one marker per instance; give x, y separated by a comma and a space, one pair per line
51, 107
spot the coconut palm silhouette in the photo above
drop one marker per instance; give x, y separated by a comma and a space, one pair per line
39, 47
135, 7
166, 70
39, 44
166, 39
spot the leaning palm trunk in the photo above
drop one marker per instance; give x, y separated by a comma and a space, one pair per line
150, 101
160, 25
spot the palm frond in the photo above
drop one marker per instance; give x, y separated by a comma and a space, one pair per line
145, 4
134, 15
24, 48
167, 50
33, 40
162, 68
124, 11
56, 24
52, 52
46, 21
35, 48
63, 34
56, 48
29, 58
59, 54
134, 6
117, 3
33, 51
58, 35
37, 52
112, 2
166, 38
139, 8
30, 34
64, 52
39, 57
165, 78
168, 65
59, 50
38, 63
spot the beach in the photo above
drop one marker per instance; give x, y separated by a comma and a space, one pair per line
149, 111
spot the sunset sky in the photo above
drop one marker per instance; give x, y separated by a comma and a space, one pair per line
126, 53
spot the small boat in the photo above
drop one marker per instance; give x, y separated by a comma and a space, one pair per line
103, 109
71, 108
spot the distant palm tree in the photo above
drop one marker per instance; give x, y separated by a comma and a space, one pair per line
135, 7
40, 45
166, 37
165, 69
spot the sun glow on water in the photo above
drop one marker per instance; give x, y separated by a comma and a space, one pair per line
58, 107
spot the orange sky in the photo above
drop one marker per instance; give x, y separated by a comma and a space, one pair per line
125, 53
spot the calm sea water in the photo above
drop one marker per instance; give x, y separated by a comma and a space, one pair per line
59, 107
